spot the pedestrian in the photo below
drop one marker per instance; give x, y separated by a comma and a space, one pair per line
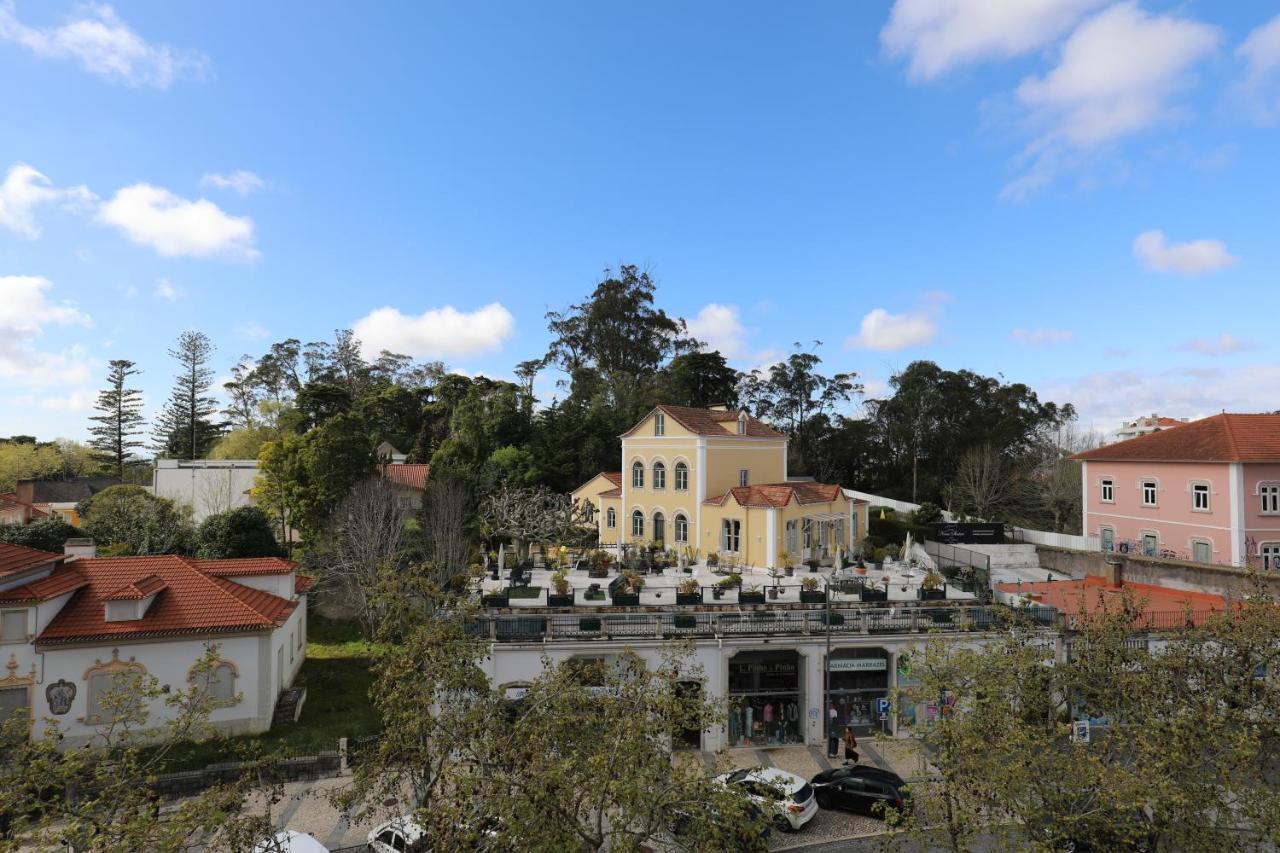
850, 746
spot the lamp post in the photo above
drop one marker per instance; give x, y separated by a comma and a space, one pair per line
826, 679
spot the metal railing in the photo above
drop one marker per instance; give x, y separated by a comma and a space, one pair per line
705, 624
954, 557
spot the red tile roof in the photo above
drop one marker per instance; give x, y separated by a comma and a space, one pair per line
614, 477
19, 558
60, 581
780, 494
411, 475
711, 421
1092, 594
612, 493
302, 583
244, 566
193, 601
137, 590
1220, 438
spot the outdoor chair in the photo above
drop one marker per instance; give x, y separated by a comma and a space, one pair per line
519, 576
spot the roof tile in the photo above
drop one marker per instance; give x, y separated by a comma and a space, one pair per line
711, 421
410, 474
1220, 438
19, 558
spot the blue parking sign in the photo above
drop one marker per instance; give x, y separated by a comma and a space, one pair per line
882, 706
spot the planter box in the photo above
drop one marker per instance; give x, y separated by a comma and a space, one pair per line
751, 598
626, 599
688, 598
589, 625
598, 572
868, 594
835, 619
685, 620
554, 600
496, 601
933, 594
717, 593
816, 596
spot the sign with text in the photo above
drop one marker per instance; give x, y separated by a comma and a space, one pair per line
956, 533
858, 665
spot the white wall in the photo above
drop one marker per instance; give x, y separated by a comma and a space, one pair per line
208, 486
279, 585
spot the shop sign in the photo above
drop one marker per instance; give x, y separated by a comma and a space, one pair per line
955, 533
857, 665
775, 668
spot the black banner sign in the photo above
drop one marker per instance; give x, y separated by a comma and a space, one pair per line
955, 533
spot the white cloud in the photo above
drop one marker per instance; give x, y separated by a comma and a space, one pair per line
104, 45
883, 331
436, 333
1225, 344
1194, 257
941, 35
1043, 336
172, 225
1259, 88
25, 189
25, 313
241, 181
76, 401
720, 328
166, 291
251, 330
1117, 74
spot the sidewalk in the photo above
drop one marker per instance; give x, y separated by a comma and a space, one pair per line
900, 755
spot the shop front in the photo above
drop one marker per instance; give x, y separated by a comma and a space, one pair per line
858, 677
765, 699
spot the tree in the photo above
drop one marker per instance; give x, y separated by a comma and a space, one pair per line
985, 484
48, 535
129, 520
581, 762
101, 796
243, 396
114, 430
1185, 758
447, 508
23, 458
527, 514
700, 379
242, 532
184, 428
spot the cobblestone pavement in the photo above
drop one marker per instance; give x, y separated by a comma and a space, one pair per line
306, 807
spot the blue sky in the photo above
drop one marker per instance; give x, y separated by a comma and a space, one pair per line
1077, 194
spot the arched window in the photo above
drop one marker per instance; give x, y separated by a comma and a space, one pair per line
611, 518
637, 475
682, 477
681, 528
219, 681
659, 475
637, 524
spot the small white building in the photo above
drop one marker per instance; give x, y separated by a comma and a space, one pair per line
70, 625
208, 486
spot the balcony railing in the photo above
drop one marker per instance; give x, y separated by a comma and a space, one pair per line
843, 621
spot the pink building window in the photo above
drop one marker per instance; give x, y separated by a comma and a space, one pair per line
1108, 490
1200, 497
1149, 491
1270, 494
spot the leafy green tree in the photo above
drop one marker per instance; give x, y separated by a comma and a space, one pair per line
48, 535
242, 532
115, 430
22, 457
699, 379
129, 520
185, 428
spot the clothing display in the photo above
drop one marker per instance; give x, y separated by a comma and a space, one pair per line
764, 721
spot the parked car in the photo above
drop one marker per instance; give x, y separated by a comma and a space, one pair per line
400, 835
290, 841
862, 789
786, 796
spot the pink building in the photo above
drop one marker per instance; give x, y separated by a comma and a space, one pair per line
1208, 491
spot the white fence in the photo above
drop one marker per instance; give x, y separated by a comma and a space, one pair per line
1023, 534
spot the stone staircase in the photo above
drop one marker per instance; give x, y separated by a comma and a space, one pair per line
289, 706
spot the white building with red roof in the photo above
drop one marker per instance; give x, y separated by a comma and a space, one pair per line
70, 626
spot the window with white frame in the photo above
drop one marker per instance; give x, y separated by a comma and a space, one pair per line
681, 528
611, 518
1270, 553
637, 475
637, 524
1150, 544
1108, 489
793, 538
659, 424
659, 475
1270, 494
730, 535
1150, 491
682, 477
1200, 497
742, 426
114, 694
13, 626
1201, 551
1108, 538
219, 681
744, 476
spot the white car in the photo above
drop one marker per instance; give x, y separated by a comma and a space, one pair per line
797, 805
400, 835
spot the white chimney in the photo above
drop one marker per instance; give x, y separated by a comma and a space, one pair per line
75, 549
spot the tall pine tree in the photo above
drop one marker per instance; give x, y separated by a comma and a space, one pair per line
120, 421
185, 428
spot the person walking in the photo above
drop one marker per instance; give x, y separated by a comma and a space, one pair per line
850, 746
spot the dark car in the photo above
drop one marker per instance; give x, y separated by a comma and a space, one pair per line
862, 789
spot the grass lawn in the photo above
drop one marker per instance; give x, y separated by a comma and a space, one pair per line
524, 591
336, 673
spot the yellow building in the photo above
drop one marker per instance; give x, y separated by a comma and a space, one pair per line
716, 480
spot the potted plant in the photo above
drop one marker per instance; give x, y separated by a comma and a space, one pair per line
498, 598
810, 593
813, 564
891, 551
750, 594
713, 560
784, 558
933, 587
689, 592
563, 595
626, 589
874, 593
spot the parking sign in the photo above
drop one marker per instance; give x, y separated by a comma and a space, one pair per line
882, 706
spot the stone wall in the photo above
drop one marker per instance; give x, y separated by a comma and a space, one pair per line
1227, 581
